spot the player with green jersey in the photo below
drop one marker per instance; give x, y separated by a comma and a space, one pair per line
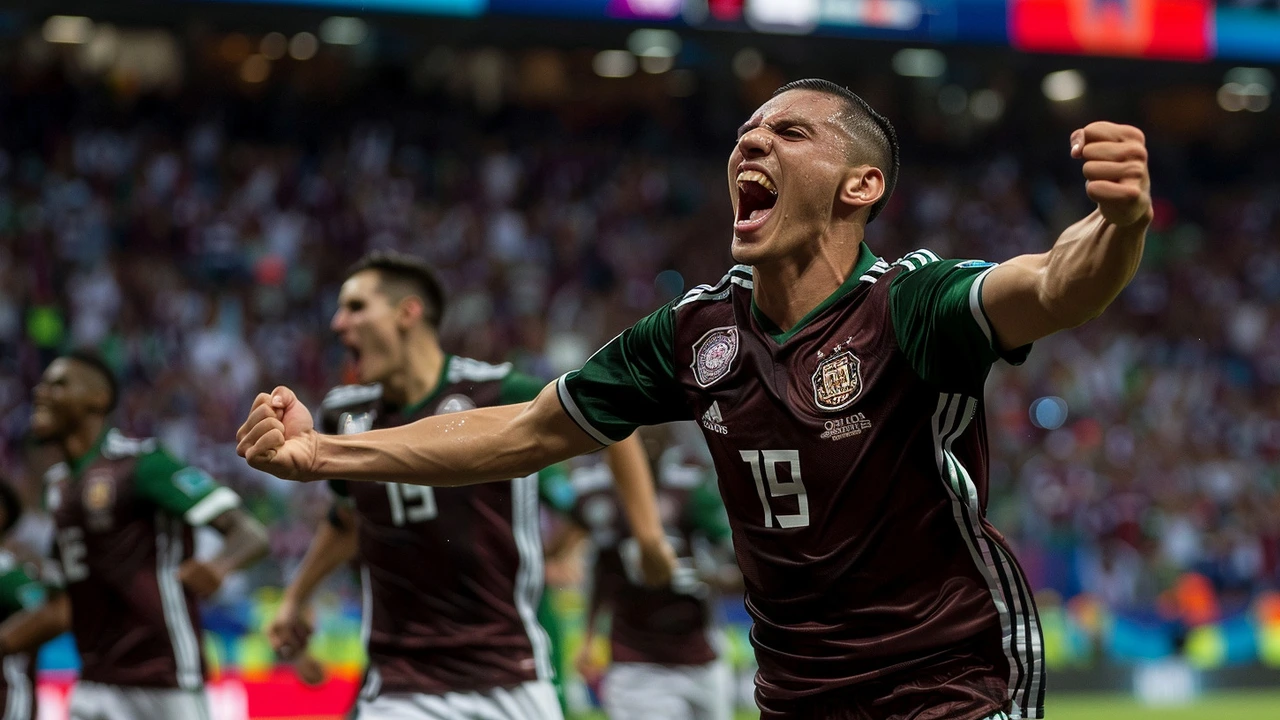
841, 397
124, 514
451, 577
19, 592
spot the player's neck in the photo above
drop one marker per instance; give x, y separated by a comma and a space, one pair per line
787, 290
81, 441
419, 375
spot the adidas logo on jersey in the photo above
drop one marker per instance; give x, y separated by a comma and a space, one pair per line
712, 419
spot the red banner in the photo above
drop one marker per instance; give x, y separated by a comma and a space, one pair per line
1170, 29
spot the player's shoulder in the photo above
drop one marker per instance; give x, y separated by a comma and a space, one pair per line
930, 263
739, 276
463, 369
346, 397
116, 445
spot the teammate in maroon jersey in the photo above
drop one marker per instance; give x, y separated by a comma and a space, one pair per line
841, 397
663, 656
19, 592
124, 579
452, 576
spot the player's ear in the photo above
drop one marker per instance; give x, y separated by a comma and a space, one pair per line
863, 186
409, 312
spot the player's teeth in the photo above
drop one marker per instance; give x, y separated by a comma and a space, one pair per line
756, 176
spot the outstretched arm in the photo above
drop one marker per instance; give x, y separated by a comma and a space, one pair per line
483, 445
1032, 296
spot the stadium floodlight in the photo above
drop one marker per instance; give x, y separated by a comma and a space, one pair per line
651, 43
273, 45
1064, 85
339, 30
919, 62
67, 29
986, 105
797, 17
1234, 97
1251, 76
303, 46
656, 65
255, 69
614, 64
748, 63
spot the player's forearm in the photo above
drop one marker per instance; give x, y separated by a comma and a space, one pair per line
331, 548
245, 541
26, 631
633, 479
484, 445
1088, 266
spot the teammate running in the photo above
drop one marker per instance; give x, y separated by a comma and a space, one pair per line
452, 577
663, 659
124, 511
19, 592
842, 399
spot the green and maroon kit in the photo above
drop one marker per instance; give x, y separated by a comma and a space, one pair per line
851, 452
19, 591
123, 517
452, 576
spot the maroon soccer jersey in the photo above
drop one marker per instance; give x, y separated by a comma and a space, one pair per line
452, 576
19, 591
852, 457
671, 625
123, 517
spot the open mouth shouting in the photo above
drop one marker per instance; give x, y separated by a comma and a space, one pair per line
757, 196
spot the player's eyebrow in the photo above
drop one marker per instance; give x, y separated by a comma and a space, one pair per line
776, 121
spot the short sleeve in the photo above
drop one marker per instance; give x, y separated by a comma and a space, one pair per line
182, 490
517, 388
942, 326
18, 590
555, 489
628, 383
707, 513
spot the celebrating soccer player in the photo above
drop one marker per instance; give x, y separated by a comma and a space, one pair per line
452, 577
842, 399
664, 661
124, 578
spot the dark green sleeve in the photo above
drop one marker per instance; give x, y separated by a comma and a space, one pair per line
628, 383
707, 513
942, 326
182, 490
555, 489
18, 590
517, 388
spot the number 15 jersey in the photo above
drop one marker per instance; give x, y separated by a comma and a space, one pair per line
451, 576
852, 457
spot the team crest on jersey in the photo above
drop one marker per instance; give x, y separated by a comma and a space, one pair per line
713, 355
838, 381
455, 403
99, 497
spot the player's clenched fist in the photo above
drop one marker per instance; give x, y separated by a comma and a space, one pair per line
1115, 170
278, 437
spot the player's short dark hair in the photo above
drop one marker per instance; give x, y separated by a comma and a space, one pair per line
11, 504
413, 275
868, 127
99, 365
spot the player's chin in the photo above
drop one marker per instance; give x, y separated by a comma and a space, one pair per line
43, 425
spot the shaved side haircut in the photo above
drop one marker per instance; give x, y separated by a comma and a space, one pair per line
872, 133
401, 276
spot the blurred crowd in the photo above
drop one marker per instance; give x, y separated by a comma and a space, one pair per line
198, 240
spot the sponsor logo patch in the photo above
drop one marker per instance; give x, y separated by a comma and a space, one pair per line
837, 382
713, 355
975, 264
845, 427
712, 419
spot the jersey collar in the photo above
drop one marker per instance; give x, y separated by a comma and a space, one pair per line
415, 408
79, 464
866, 259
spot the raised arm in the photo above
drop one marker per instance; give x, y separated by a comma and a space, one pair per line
1032, 296
483, 445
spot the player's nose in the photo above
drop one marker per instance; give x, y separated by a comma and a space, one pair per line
756, 143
